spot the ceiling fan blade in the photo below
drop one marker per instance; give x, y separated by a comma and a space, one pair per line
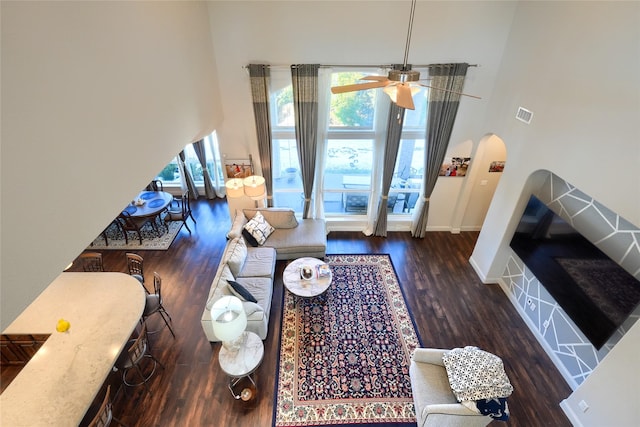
358, 86
452, 91
377, 78
405, 99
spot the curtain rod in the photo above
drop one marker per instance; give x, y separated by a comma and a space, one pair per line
354, 66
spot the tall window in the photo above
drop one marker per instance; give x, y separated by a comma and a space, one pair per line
356, 131
170, 174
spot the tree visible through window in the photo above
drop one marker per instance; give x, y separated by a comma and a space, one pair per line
355, 138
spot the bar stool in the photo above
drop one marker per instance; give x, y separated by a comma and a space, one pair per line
132, 358
91, 261
135, 265
154, 305
104, 416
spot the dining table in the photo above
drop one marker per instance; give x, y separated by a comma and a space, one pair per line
149, 205
59, 383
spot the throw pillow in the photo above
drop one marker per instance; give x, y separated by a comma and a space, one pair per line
236, 255
258, 228
277, 217
249, 238
236, 227
240, 291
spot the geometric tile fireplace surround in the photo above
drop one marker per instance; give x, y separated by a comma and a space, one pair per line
613, 235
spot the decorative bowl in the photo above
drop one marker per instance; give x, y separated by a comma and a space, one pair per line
306, 272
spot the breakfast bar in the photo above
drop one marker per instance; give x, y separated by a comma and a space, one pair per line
59, 383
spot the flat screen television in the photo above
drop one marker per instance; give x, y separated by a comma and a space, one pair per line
595, 291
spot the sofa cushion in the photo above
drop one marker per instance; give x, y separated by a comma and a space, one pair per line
235, 255
262, 289
223, 277
310, 236
277, 217
240, 291
260, 262
251, 308
258, 228
238, 223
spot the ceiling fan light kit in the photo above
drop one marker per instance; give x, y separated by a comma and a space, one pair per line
404, 76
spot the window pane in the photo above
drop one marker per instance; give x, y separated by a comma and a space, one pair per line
410, 160
214, 163
351, 109
282, 100
348, 157
289, 199
170, 173
417, 119
286, 170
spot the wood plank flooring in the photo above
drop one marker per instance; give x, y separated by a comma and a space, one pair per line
450, 305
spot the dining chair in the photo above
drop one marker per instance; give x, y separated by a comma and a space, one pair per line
129, 223
104, 416
155, 185
91, 261
133, 358
135, 265
182, 212
154, 305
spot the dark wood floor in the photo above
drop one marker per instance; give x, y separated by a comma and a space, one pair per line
450, 305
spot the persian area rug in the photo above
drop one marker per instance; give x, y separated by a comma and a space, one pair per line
150, 239
344, 356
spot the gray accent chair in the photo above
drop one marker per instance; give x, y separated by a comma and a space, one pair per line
435, 403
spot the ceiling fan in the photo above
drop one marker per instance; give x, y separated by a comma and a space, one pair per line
398, 83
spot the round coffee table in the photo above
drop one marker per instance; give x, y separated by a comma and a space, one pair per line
306, 288
242, 363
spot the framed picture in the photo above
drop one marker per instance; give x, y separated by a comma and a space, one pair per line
457, 167
238, 168
496, 166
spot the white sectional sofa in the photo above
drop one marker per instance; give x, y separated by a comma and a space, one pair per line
254, 267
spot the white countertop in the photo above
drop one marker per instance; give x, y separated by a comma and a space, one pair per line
59, 383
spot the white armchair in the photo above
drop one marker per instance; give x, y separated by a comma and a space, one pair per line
433, 398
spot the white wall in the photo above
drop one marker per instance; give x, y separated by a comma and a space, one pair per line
356, 32
577, 67
96, 98
581, 81
617, 372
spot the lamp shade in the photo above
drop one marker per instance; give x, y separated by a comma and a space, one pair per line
234, 188
254, 187
228, 318
392, 91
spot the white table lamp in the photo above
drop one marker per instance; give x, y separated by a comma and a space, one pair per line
229, 321
234, 187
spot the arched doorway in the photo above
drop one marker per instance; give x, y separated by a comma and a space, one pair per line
485, 172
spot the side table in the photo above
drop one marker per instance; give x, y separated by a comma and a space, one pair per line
242, 363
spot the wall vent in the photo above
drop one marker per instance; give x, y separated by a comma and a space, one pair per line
524, 115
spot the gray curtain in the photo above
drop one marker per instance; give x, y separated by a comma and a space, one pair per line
304, 78
394, 132
442, 110
259, 77
186, 173
209, 191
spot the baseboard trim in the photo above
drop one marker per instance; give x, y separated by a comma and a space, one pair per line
569, 412
486, 280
